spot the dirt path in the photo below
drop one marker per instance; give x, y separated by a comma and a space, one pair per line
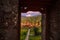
27, 36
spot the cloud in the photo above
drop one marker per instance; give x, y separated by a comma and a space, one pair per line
31, 13
28, 15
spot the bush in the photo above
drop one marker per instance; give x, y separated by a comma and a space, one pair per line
36, 30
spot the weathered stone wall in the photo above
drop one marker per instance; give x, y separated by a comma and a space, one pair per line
43, 26
54, 24
8, 19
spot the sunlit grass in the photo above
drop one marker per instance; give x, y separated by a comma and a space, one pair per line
23, 33
32, 36
35, 37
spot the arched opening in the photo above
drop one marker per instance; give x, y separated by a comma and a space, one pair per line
31, 25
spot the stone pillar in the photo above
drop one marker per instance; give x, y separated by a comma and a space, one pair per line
43, 26
9, 19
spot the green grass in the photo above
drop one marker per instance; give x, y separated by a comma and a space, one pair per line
33, 37
23, 33
40, 29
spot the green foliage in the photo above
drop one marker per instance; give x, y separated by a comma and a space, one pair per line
35, 37
35, 31
33, 19
23, 33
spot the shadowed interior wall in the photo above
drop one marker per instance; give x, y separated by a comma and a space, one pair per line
8, 19
54, 22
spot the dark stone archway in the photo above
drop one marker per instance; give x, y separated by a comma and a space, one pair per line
9, 20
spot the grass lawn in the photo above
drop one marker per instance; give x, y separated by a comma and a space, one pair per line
33, 37
23, 33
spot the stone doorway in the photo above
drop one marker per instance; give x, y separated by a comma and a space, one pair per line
43, 28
